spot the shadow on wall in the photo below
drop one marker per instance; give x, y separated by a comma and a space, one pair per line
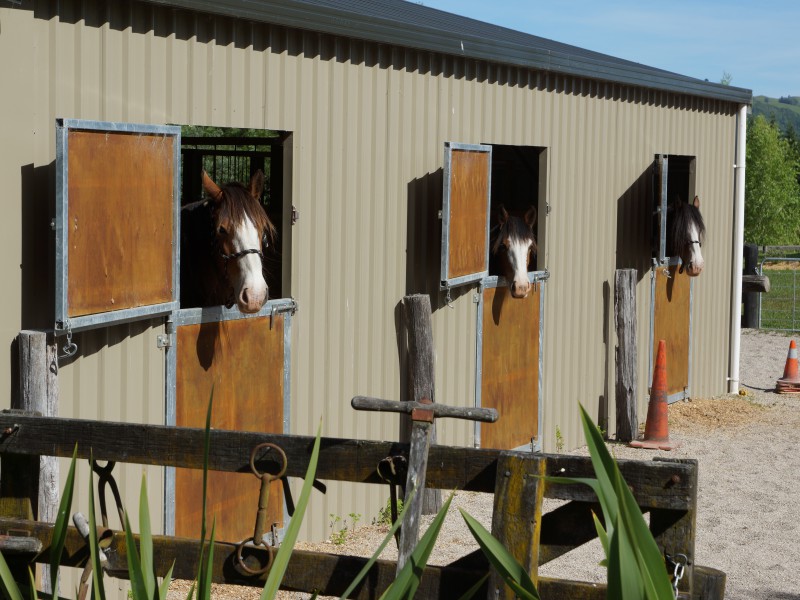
424, 245
634, 226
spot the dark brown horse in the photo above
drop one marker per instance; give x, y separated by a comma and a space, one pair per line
513, 245
686, 231
222, 247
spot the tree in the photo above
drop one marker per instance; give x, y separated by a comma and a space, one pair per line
726, 78
772, 192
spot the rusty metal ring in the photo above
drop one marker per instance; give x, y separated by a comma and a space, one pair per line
247, 569
278, 449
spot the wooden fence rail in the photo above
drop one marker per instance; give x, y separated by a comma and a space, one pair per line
666, 489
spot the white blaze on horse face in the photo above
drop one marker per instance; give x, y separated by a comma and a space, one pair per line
250, 286
693, 257
518, 258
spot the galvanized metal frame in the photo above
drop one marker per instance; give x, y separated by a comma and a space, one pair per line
446, 282
662, 170
535, 277
193, 316
687, 392
63, 323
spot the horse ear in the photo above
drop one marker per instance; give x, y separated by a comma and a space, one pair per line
696, 202
503, 216
257, 184
211, 188
530, 217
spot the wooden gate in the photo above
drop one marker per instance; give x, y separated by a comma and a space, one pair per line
672, 321
245, 360
509, 364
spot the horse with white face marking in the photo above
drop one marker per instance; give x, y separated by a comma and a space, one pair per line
222, 246
686, 233
513, 244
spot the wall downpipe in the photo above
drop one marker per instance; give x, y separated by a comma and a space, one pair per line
738, 249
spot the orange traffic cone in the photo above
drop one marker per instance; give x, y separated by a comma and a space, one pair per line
790, 382
656, 430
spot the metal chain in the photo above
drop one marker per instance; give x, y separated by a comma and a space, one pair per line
677, 573
69, 349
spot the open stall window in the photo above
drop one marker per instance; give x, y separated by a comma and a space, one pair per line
673, 181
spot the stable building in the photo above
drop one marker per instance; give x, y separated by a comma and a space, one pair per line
391, 132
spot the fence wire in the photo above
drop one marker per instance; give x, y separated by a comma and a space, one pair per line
778, 309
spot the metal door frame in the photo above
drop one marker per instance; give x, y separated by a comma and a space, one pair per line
194, 316
63, 323
536, 278
686, 394
445, 282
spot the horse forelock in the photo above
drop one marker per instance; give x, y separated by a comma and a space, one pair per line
514, 229
685, 215
238, 205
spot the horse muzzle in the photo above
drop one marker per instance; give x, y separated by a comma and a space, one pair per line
520, 289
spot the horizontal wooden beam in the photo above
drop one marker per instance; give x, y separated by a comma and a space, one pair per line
654, 484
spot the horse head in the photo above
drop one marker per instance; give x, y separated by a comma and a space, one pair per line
242, 229
687, 231
513, 244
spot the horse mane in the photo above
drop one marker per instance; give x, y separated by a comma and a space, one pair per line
683, 215
514, 228
238, 203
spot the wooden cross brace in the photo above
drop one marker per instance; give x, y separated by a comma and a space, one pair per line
422, 414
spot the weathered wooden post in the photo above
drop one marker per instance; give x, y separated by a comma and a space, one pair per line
417, 309
626, 385
38, 382
423, 415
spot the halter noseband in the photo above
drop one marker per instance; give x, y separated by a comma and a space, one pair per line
240, 254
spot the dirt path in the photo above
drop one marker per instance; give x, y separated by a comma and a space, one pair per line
748, 447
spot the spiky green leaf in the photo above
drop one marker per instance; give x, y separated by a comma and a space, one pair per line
9, 584
98, 589
62, 522
281, 561
514, 574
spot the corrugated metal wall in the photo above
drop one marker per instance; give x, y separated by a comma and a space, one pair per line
369, 124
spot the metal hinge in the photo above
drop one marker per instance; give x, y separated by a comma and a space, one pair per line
547, 210
164, 340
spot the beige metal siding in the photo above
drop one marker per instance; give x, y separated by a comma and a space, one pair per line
369, 124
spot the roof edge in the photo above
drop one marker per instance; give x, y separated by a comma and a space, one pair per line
336, 19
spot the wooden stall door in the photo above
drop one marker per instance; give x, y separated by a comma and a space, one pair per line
244, 361
510, 366
671, 322
465, 211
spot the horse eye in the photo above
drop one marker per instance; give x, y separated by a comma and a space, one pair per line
221, 230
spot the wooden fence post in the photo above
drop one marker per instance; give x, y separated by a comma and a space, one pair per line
625, 322
38, 382
417, 308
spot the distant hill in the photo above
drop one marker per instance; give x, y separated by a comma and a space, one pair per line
785, 110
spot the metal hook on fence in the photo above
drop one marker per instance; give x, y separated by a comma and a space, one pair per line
263, 505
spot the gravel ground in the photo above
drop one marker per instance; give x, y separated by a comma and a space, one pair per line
749, 452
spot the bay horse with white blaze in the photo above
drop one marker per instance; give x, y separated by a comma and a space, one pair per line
513, 244
222, 247
686, 231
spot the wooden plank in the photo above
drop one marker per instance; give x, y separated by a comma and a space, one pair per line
671, 323
38, 375
469, 213
627, 390
517, 516
675, 531
510, 367
655, 484
243, 361
120, 220
420, 372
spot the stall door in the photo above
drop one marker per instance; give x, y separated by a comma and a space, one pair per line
671, 321
245, 360
116, 225
465, 213
509, 364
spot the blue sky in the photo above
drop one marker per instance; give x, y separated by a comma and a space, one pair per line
758, 43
